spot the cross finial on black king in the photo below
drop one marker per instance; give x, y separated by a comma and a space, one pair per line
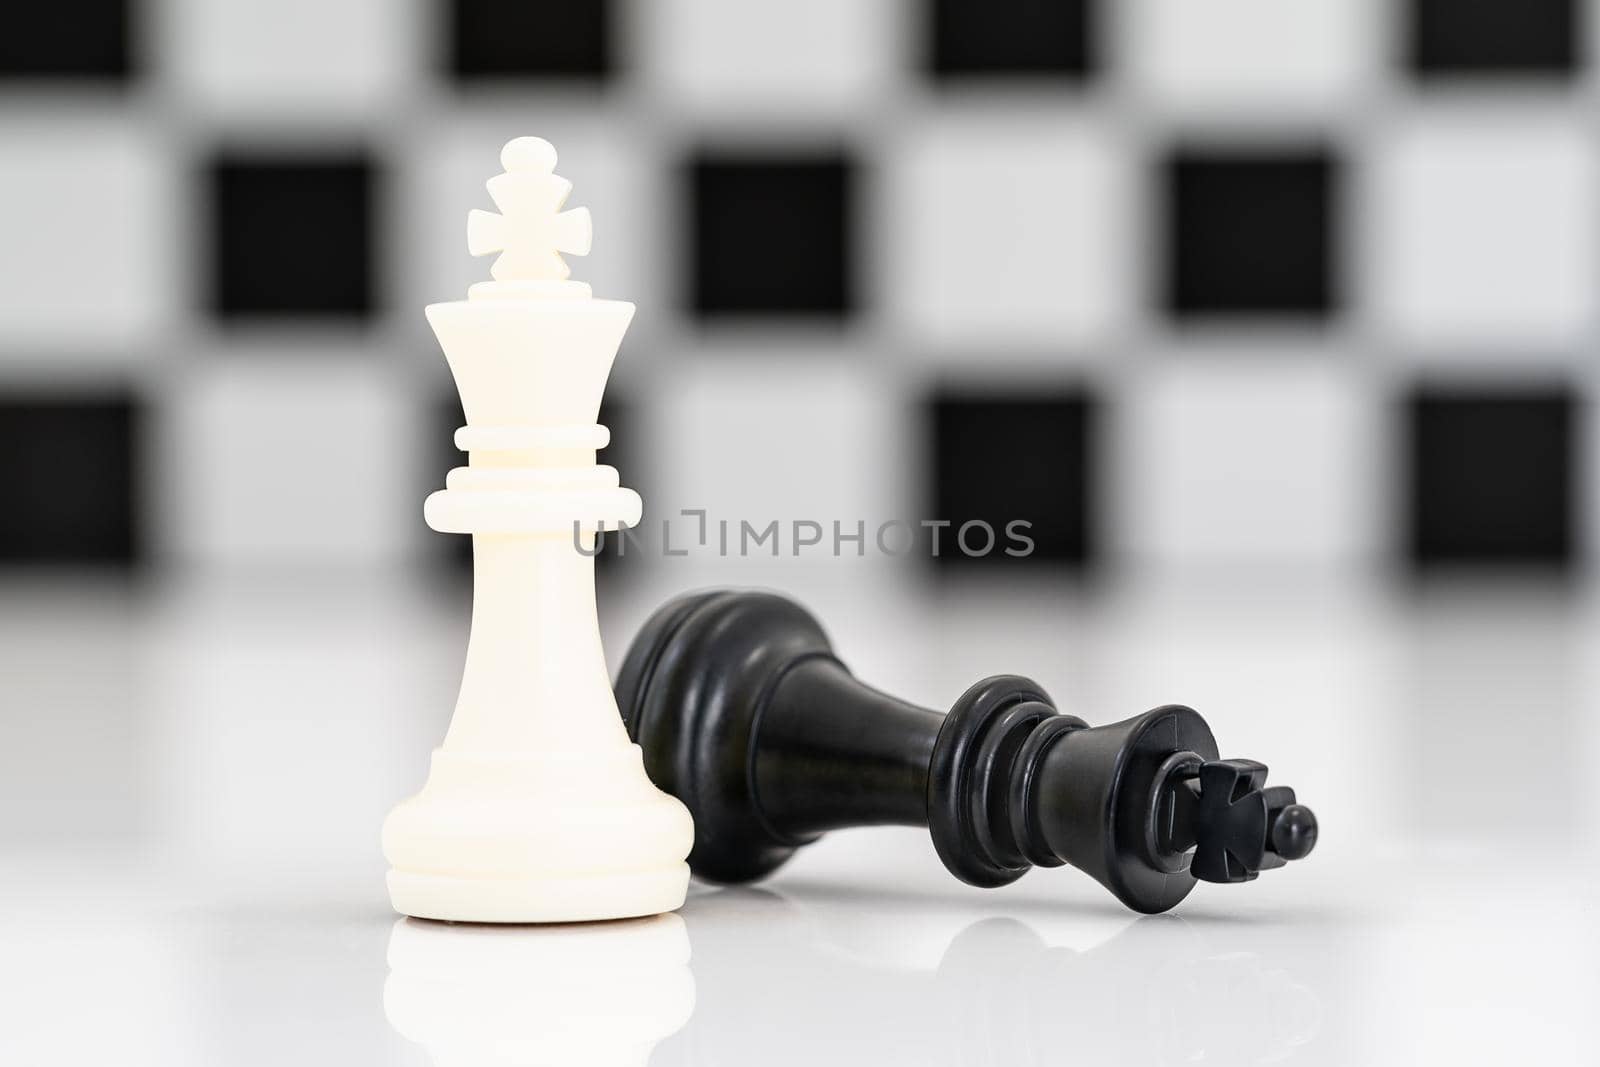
744, 713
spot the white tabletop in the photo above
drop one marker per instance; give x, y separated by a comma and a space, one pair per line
193, 776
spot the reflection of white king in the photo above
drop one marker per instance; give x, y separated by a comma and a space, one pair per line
578, 996
537, 808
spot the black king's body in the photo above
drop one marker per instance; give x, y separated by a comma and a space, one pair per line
745, 715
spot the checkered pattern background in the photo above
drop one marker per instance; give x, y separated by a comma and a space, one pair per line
1290, 284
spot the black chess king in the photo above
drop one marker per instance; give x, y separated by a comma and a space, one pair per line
745, 714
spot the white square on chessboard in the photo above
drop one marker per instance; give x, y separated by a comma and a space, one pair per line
1245, 461
1252, 54
1007, 229
299, 457
288, 56
1482, 229
87, 210
445, 175
731, 56
792, 436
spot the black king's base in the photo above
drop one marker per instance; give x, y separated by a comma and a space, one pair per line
746, 716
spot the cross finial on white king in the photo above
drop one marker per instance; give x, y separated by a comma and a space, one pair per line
531, 231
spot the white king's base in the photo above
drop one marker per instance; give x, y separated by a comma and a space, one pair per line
536, 839
539, 900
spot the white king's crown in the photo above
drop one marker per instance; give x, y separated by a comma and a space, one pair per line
531, 348
531, 231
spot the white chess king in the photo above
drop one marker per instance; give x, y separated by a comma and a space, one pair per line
536, 808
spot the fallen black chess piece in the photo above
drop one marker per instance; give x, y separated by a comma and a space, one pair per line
744, 714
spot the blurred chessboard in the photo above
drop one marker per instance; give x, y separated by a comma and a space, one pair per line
1274, 284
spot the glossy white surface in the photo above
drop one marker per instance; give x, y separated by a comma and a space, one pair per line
192, 780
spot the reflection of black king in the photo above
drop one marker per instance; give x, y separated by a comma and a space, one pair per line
745, 715
993, 992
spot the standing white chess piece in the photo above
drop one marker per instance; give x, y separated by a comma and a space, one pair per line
537, 808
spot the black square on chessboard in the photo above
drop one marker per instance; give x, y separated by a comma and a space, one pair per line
69, 465
497, 39
52, 39
291, 236
1010, 38
772, 236
623, 453
997, 459
1250, 233
1469, 38
1491, 477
